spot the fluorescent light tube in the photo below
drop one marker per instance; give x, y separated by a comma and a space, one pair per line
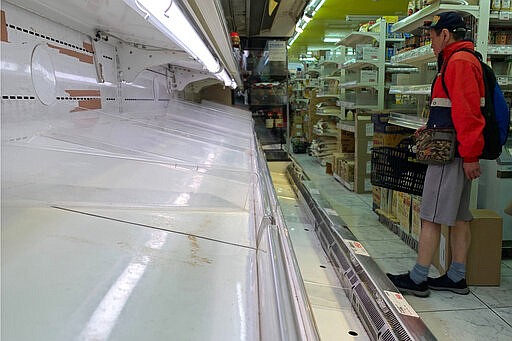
331, 39
171, 21
225, 78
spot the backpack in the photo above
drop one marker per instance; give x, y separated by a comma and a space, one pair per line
495, 111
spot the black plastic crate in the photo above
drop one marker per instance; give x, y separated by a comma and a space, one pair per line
397, 169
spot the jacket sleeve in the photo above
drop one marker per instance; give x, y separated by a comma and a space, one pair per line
464, 82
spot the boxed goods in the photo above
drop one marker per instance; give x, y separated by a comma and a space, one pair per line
376, 195
370, 53
369, 76
415, 217
484, 256
359, 50
403, 211
346, 142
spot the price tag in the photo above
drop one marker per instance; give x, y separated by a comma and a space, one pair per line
502, 80
369, 129
330, 211
369, 147
400, 303
369, 167
357, 247
504, 15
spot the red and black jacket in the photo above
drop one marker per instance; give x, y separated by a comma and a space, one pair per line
464, 82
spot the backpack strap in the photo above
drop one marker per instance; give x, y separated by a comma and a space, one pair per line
445, 65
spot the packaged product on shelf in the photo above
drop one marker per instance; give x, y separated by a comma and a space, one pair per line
505, 5
496, 5
415, 217
359, 50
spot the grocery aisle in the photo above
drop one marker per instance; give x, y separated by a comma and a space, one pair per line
484, 314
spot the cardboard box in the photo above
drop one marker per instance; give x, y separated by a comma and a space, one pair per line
369, 76
415, 217
370, 53
394, 203
346, 142
484, 255
376, 195
403, 212
359, 50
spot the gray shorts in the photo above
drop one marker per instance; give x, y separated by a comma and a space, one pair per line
446, 194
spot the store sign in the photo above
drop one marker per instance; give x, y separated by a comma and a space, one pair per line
277, 51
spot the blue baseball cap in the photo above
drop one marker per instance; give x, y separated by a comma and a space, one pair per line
452, 21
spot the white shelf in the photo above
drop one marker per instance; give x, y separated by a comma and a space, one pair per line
349, 126
330, 78
328, 96
499, 49
359, 64
407, 121
423, 89
356, 38
355, 84
420, 55
346, 105
504, 80
416, 20
498, 18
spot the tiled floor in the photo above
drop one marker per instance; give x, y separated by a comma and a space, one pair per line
484, 314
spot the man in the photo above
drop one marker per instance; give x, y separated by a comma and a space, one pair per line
447, 187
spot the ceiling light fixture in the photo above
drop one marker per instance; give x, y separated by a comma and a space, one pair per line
171, 21
331, 39
361, 18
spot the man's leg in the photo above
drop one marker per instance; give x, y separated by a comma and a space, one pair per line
415, 282
455, 278
429, 240
460, 236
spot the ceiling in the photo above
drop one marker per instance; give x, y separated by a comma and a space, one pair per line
252, 19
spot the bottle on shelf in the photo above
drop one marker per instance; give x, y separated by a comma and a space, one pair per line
496, 5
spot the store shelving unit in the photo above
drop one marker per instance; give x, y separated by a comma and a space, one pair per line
364, 91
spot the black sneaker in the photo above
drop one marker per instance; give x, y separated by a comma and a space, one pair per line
445, 283
406, 285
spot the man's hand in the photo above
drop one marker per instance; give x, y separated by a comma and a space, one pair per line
472, 170
419, 130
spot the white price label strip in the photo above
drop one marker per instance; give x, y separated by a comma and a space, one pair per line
400, 303
357, 247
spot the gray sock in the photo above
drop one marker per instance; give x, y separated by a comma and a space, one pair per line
419, 273
457, 271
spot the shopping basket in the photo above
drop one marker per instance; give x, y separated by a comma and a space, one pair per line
397, 168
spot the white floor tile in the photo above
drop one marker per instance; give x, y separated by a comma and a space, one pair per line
444, 300
373, 233
496, 297
388, 248
365, 219
464, 325
505, 314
